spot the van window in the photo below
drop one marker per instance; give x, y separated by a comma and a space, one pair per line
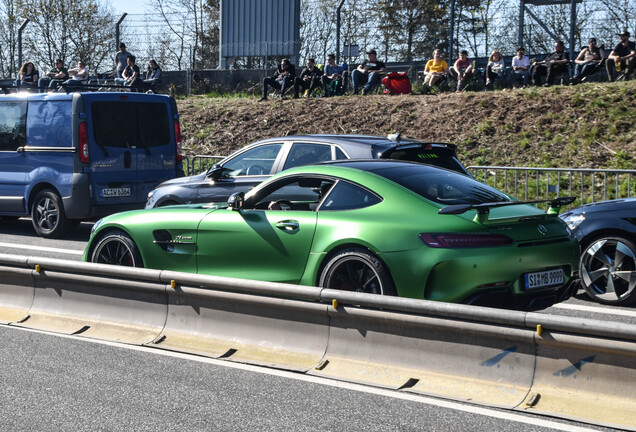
50, 124
12, 125
131, 124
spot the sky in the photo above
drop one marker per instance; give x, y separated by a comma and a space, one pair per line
128, 6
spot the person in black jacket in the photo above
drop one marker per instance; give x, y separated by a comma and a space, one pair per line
309, 78
623, 57
282, 79
552, 66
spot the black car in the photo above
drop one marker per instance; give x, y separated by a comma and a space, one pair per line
256, 162
606, 231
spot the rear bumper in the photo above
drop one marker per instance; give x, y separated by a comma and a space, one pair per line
506, 299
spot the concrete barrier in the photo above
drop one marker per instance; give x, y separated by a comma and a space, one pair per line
119, 306
283, 333
475, 362
16, 289
566, 367
579, 377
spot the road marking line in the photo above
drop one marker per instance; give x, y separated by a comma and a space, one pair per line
530, 419
41, 248
601, 310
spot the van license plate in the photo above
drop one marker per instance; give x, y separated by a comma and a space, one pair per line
115, 192
544, 278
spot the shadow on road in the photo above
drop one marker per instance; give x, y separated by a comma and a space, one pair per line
23, 227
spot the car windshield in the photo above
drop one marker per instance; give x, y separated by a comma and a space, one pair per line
441, 186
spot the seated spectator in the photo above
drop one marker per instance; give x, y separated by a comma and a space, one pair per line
435, 69
552, 66
56, 76
131, 75
495, 70
309, 78
153, 76
368, 73
521, 68
28, 76
79, 75
622, 58
283, 78
334, 74
463, 70
587, 61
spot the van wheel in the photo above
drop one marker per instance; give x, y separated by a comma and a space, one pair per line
117, 248
47, 215
358, 270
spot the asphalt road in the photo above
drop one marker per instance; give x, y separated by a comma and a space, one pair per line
18, 237
60, 383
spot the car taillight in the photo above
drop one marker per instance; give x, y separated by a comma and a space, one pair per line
83, 143
177, 138
460, 241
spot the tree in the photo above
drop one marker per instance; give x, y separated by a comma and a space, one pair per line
414, 27
9, 25
67, 30
190, 26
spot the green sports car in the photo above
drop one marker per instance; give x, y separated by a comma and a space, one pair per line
376, 226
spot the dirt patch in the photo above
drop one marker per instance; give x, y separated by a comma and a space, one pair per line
588, 126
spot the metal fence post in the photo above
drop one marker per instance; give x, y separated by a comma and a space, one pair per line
20, 30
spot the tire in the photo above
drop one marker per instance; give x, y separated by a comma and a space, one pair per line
608, 270
357, 269
116, 248
48, 216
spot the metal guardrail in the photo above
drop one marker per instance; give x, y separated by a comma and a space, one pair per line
588, 185
199, 163
565, 367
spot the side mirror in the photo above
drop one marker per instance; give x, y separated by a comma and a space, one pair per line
236, 200
215, 172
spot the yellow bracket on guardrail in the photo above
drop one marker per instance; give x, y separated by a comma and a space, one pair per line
38, 268
334, 304
539, 329
173, 284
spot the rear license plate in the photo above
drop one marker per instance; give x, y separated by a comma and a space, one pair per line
114, 192
544, 278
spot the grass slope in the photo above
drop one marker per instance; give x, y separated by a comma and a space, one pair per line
588, 126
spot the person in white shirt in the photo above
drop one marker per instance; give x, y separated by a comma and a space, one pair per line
521, 68
79, 75
495, 70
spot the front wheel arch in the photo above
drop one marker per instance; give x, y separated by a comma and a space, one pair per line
115, 247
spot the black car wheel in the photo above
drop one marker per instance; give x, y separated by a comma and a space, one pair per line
608, 270
357, 270
47, 215
117, 248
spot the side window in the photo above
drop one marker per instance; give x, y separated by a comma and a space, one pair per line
12, 125
50, 124
291, 193
340, 154
255, 161
347, 196
306, 153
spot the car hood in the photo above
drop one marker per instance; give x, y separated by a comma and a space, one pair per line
603, 206
184, 180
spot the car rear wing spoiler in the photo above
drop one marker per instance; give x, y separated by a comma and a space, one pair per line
483, 209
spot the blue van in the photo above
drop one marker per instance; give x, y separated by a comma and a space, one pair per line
70, 157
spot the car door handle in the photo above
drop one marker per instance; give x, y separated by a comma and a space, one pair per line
287, 225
